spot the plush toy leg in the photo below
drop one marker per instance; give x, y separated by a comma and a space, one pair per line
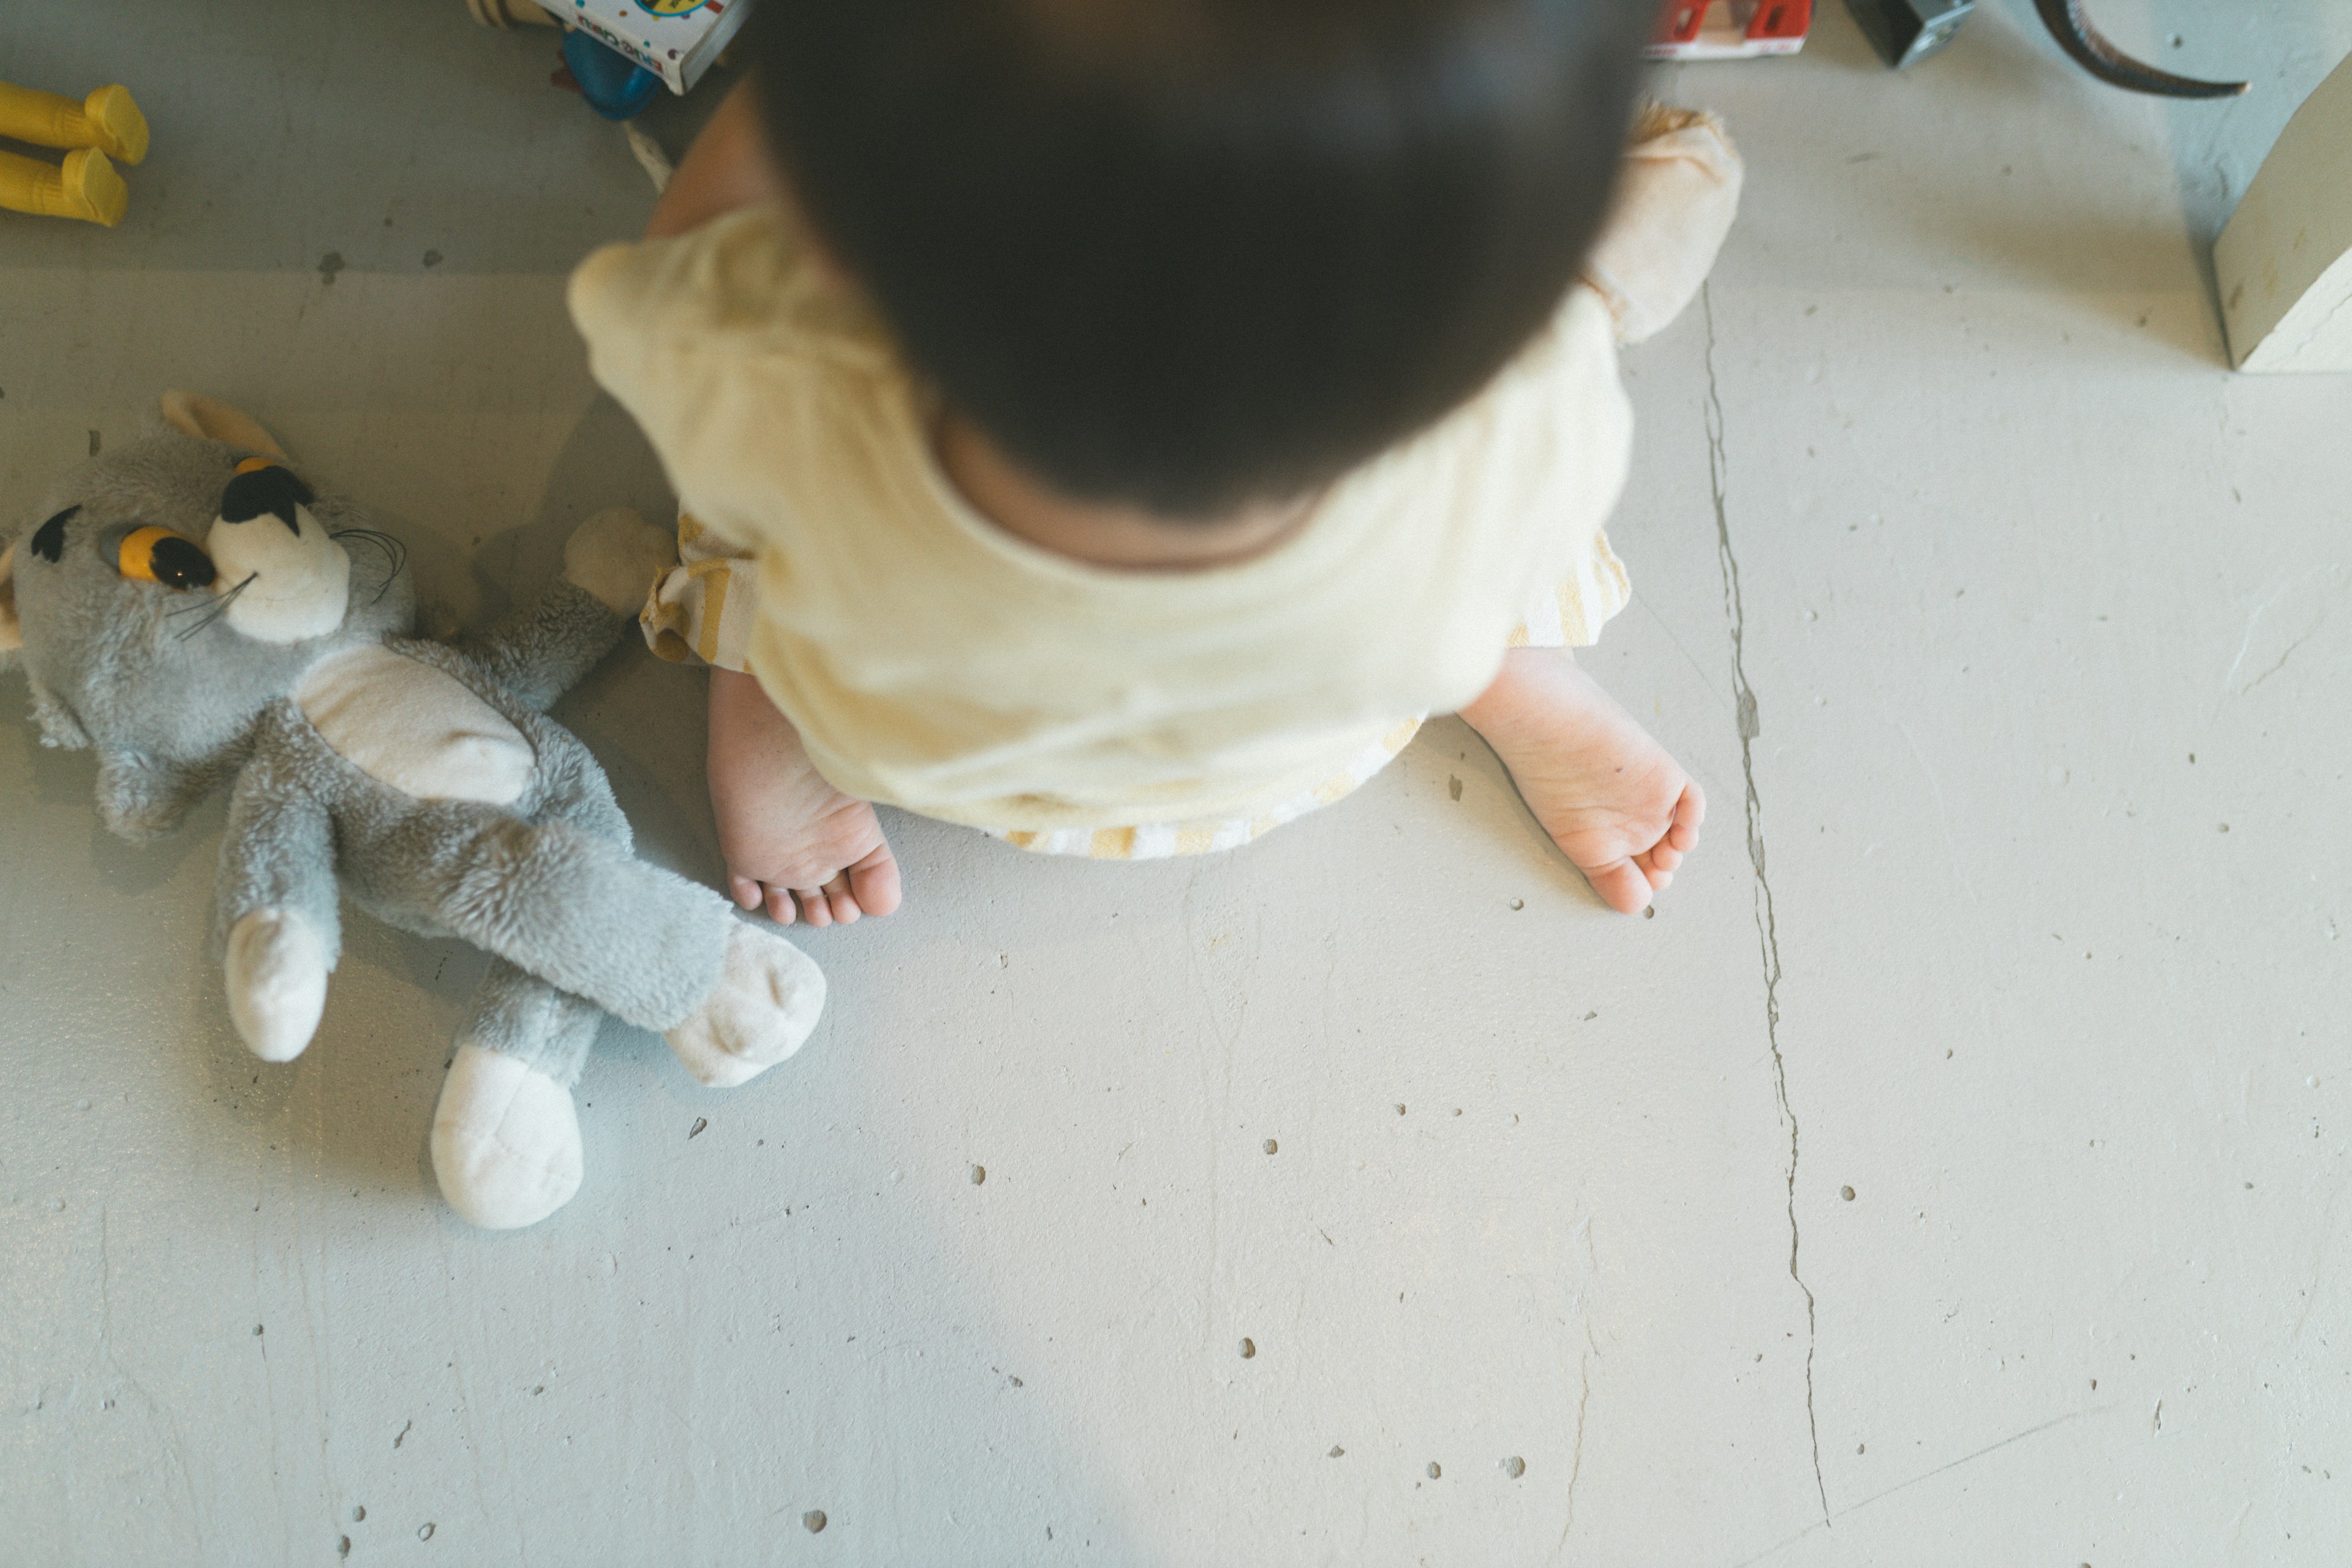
276, 983
650, 947
506, 1140
86, 187
769, 996
108, 120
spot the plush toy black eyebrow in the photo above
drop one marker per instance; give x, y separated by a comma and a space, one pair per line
50, 539
271, 489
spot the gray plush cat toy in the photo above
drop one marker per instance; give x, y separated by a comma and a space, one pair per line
188, 606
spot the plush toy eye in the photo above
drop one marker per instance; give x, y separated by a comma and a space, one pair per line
159, 555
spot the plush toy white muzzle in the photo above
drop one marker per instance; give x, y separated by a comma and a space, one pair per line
283, 578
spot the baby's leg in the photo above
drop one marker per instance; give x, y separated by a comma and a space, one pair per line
789, 838
1610, 798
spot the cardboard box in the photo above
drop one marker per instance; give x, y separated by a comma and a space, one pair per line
2284, 262
675, 39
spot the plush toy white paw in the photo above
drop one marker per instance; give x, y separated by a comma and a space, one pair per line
505, 1141
769, 996
616, 555
276, 983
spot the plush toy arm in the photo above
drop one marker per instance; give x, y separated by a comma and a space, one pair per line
538, 651
277, 923
141, 797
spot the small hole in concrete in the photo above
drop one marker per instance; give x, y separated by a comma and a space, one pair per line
815, 1520
1249, 1349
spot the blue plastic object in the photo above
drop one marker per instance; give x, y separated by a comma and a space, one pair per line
616, 86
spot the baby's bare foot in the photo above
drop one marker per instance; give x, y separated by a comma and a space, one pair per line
790, 840
1612, 800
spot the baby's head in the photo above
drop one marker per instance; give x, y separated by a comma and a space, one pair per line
1192, 254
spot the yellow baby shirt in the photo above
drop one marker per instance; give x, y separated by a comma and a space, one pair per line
933, 661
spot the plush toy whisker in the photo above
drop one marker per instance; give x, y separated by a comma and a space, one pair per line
200, 605
219, 608
395, 553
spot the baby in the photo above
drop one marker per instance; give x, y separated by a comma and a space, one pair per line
1115, 424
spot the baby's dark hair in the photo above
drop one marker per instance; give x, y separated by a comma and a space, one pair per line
1191, 254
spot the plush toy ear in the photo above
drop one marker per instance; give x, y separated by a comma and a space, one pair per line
210, 419
11, 630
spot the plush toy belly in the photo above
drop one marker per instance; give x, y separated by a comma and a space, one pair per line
414, 728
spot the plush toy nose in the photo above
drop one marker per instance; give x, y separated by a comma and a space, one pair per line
283, 578
261, 486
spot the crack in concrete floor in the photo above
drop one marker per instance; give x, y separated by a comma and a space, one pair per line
1767, 926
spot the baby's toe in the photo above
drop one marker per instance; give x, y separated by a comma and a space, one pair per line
1657, 865
1690, 810
874, 882
1623, 886
842, 901
746, 892
781, 908
814, 909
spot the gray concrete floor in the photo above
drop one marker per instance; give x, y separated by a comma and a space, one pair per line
1953, 1172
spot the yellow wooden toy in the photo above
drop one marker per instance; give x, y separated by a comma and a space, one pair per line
107, 125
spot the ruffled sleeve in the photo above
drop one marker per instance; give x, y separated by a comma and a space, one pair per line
701, 610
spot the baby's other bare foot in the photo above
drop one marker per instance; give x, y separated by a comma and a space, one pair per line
1610, 798
790, 840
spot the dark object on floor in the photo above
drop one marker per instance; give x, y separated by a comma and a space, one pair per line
2102, 59
1906, 32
